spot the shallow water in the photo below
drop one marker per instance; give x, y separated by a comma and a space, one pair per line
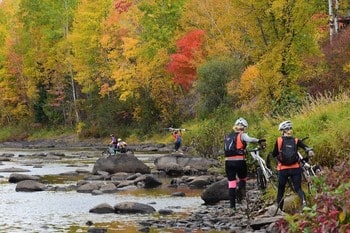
49, 211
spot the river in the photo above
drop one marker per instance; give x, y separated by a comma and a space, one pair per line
49, 211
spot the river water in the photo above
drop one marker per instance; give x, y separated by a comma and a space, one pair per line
50, 211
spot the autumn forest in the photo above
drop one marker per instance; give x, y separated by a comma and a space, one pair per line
100, 65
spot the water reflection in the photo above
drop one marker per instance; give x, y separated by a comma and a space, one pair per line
69, 211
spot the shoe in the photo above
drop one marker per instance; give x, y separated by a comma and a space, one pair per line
240, 194
303, 205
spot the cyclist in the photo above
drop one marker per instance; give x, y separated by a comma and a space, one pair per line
113, 142
121, 146
177, 134
290, 169
235, 163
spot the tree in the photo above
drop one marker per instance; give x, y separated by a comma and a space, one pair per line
213, 77
183, 63
281, 35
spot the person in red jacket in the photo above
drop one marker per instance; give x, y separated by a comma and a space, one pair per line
177, 134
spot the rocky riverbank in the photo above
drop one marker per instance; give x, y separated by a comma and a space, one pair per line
253, 215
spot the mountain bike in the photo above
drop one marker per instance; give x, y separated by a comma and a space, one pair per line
308, 170
264, 175
110, 150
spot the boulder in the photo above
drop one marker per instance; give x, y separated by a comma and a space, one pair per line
120, 163
13, 169
29, 186
133, 208
108, 188
103, 208
200, 181
147, 181
88, 187
16, 177
178, 163
216, 192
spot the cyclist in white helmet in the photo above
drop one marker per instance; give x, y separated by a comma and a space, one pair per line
289, 168
235, 163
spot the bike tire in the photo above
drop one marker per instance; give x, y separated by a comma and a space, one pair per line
106, 153
307, 179
260, 178
274, 181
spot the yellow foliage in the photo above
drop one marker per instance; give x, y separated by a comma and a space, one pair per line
223, 32
247, 86
130, 47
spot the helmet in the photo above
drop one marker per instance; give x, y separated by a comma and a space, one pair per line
285, 125
241, 121
112, 135
119, 139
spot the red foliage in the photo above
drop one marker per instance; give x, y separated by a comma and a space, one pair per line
182, 65
122, 5
332, 204
336, 57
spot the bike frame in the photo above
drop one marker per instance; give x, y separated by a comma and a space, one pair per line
268, 173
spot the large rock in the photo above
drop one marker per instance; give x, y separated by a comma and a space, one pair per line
17, 177
147, 181
103, 208
216, 192
133, 208
178, 164
29, 186
120, 163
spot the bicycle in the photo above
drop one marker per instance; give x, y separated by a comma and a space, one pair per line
109, 151
264, 175
308, 170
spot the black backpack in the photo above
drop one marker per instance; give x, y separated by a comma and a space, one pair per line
288, 150
230, 145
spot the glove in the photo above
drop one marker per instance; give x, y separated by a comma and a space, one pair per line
310, 153
262, 140
262, 143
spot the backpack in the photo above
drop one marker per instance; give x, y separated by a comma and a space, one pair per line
287, 150
233, 144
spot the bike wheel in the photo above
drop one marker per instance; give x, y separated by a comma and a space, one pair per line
274, 180
307, 179
260, 178
106, 153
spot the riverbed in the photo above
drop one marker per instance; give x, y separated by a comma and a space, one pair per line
68, 211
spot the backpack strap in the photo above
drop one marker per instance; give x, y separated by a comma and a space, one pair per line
279, 144
239, 143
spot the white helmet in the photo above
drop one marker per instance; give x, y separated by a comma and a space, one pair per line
285, 125
119, 139
241, 121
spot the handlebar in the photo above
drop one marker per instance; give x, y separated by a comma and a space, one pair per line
175, 129
258, 148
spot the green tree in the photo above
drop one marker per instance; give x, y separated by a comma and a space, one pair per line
213, 77
280, 36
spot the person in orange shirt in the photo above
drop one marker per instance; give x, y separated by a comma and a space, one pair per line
235, 160
177, 134
288, 165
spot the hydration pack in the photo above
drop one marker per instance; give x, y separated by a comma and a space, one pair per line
287, 150
233, 144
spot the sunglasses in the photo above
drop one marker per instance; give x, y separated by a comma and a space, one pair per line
289, 128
